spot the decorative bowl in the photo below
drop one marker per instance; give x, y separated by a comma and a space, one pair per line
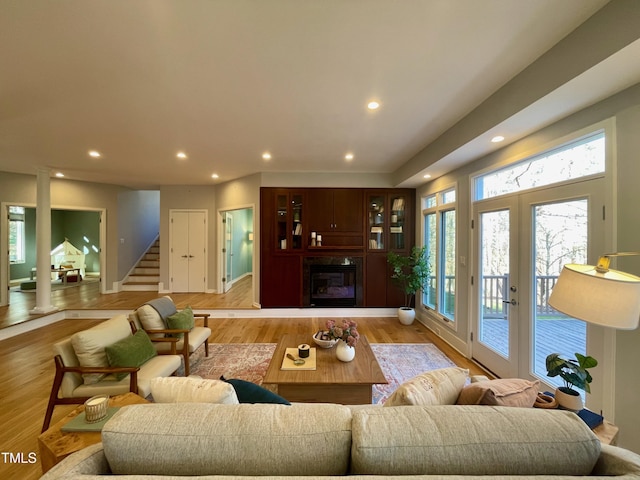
323, 341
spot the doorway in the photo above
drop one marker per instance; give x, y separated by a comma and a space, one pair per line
82, 228
521, 243
237, 253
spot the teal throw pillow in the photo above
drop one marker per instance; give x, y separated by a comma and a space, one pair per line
132, 351
248, 392
182, 320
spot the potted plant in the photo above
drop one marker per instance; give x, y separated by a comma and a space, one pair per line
575, 374
410, 273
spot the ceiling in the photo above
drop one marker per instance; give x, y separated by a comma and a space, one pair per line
226, 80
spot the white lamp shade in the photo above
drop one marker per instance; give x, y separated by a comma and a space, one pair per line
610, 299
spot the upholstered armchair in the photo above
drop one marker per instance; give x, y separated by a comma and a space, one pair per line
160, 318
106, 359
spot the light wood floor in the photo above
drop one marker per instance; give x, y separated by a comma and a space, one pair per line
87, 296
27, 363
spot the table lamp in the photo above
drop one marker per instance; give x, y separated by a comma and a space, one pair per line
599, 295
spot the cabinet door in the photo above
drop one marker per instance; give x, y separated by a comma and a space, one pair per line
376, 221
288, 221
320, 208
399, 217
347, 210
281, 281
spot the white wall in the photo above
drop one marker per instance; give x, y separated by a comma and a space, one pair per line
627, 377
138, 226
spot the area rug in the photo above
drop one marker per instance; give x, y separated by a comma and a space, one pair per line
249, 361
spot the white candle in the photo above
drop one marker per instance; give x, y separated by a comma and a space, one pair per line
313, 234
95, 401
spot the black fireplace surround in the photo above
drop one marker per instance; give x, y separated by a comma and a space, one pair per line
332, 281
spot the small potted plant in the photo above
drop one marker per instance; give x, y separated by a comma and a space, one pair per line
575, 374
410, 273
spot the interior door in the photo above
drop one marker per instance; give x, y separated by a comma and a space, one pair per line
188, 251
228, 251
496, 282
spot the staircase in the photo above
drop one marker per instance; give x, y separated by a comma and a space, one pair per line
146, 274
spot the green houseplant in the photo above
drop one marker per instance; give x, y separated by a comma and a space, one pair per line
409, 273
575, 375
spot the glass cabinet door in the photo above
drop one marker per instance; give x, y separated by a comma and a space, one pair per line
282, 215
376, 206
289, 222
397, 219
296, 228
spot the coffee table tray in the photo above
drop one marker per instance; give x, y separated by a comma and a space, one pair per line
309, 362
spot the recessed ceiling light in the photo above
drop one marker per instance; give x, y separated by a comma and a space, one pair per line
348, 156
373, 105
426, 176
59, 174
181, 155
266, 156
94, 154
215, 175
497, 139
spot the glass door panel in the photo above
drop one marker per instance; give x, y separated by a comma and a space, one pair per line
560, 232
296, 231
376, 207
397, 223
281, 222
494, 281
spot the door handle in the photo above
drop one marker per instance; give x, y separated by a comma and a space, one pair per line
184, 256
512, 302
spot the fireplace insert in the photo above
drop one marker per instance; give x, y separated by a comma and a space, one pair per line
332, 285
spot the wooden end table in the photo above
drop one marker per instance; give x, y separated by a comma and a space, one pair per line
333, 381
55, 445
607, 432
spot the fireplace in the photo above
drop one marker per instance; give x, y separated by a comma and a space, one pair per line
332, 281
332, 286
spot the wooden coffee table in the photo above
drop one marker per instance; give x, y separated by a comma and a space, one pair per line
333, 381
55, 445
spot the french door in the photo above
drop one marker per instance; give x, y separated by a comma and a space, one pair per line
521, 243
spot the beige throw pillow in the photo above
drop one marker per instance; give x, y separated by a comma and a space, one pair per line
437, 387
151, 320
89, 345
508, 392
193, 390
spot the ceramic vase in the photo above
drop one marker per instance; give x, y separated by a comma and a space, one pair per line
344, 352
569, 401
406, 315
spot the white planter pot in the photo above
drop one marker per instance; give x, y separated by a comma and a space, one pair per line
569, 401
344, 352
406, 315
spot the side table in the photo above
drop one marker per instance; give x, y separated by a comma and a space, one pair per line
55, 444
607, 432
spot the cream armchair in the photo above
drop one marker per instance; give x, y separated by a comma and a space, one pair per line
83, 367
161, 320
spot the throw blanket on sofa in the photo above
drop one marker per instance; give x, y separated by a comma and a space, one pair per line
164, 306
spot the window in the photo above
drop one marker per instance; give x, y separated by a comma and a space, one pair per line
580, 158
16, 235
439, 238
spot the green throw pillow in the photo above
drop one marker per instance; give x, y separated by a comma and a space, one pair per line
132, 351
182, 320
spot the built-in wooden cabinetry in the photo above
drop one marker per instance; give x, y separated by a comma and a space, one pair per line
362, 225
